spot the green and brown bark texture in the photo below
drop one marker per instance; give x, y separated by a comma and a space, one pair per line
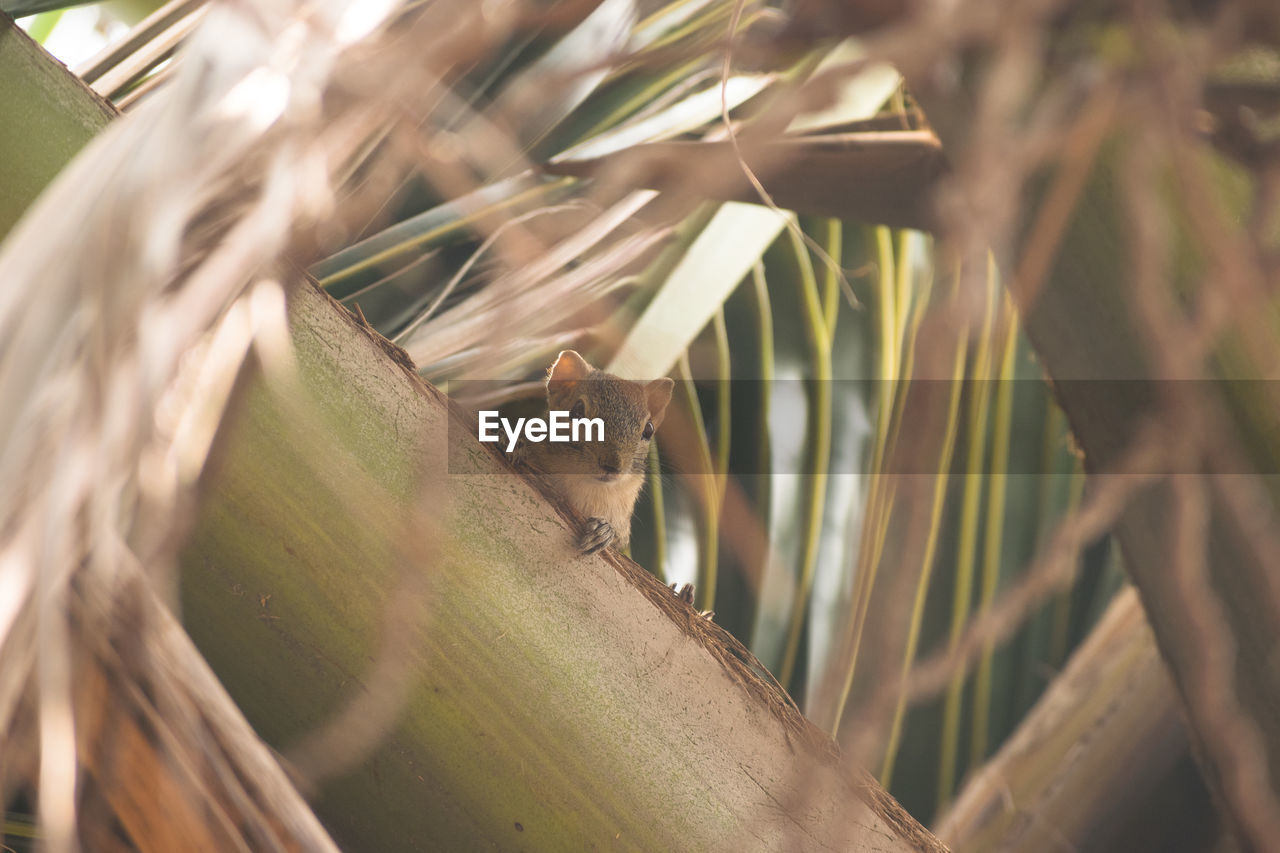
44, 104
1053, 782
365, 574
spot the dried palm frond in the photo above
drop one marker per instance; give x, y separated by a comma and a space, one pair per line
158, 254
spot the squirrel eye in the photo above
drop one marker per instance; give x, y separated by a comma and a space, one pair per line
648, 431
579, 410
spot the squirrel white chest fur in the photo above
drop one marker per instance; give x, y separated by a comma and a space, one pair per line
612, 502
600, 479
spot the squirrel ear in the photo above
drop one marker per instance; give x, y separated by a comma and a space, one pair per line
658, 395
569, 367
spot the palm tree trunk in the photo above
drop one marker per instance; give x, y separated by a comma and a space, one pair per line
363, 565
48, 116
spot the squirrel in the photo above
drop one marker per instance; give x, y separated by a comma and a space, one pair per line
600, 479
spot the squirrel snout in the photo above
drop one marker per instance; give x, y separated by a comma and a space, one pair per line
610, 464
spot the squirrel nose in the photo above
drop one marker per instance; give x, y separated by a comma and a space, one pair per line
610, 467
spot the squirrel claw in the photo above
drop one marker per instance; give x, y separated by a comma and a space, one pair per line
596, 537
685, 593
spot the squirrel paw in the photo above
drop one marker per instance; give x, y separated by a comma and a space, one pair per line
685, 594
597, 536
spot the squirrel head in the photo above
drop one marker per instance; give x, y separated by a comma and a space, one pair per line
631, 412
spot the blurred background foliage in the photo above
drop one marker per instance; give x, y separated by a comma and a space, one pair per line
798, 329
